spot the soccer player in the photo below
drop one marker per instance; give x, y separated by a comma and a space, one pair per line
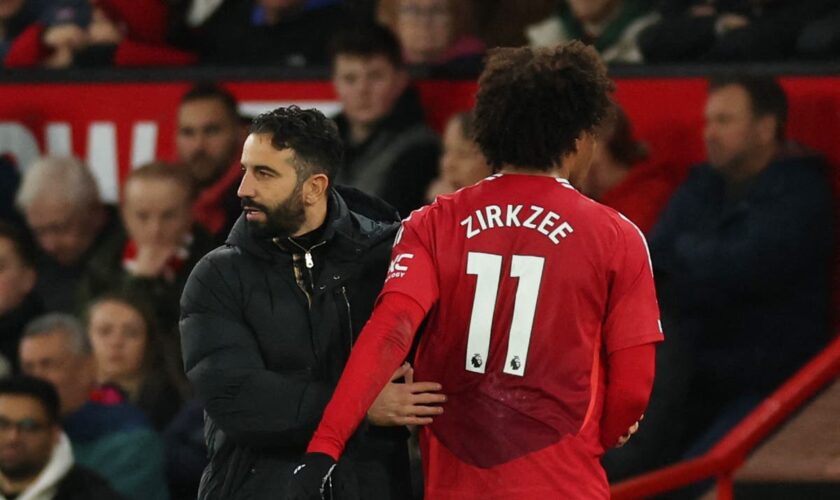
541, 314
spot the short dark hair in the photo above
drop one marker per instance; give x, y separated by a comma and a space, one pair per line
20, 244
533, 103
767, 97
206, 90
35, 388
313, 137
367, 40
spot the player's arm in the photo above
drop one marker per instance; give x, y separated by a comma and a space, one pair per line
631, 331
382, 346
629, 380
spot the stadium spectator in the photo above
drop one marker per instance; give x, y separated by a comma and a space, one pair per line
60, 202
108, 435
269, 319
623, 177
18, 303
37, 462
462, 163
130, 354
611, 26
208, 142
434, 32
15, 17
742, 255
389, 150
271, 32
728, 30
159, 248
83, 33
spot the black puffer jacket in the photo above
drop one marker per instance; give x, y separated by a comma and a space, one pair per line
265, 355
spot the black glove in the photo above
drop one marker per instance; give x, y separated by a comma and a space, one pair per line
310, 477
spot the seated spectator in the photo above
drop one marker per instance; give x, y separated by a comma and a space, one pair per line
81, 33
622, 176
153, 258
270, 32
18, 303
742, 255
15, 17
728, 30
462, 163
186, 451
108, 435
434, 32
209, 143
821, 37
389, 150
611, 26
36, 462
130, 354
60, 202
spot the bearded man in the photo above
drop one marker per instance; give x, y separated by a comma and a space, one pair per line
268, 320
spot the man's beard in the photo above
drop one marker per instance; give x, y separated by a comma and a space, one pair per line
21, 470
281, 221
206, 170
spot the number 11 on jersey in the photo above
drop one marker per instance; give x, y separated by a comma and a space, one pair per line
487, 268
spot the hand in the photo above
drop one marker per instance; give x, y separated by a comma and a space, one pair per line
65, 35
411, 403
729, 22
632, 430
310, 477
151, 260
102, 31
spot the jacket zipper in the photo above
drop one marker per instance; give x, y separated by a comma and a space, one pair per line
349, 315
309, 262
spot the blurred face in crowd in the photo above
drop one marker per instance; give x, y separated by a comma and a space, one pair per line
61, 229
27, 437
424, 28
119, 338
272, 197
208, 139
156, 211
593, 11
367, 87
53, 358
16, 278
462, 163
733, 135
9, 8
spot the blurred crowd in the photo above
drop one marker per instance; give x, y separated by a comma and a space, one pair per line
439, 33
742, 245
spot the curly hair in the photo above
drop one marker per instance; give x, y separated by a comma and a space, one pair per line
533, 103
313, 137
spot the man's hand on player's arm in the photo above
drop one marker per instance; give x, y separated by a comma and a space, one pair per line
632, 430
409, 403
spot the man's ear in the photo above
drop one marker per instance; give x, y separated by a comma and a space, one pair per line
766, 126
315, 188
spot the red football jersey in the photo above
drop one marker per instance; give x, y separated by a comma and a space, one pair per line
528, 286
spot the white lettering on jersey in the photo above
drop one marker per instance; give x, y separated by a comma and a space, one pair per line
493, 217
512, 219
397, 269
529, 222
470, 231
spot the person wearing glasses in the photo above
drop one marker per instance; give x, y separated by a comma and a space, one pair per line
36, 461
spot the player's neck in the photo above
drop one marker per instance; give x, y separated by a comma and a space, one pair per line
554, 172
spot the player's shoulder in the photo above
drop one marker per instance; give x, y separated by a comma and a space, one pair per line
610, 220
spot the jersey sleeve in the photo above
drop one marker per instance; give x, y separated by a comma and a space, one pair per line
412, 271
632, 310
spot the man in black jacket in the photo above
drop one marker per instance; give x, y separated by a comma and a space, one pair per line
268, 320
